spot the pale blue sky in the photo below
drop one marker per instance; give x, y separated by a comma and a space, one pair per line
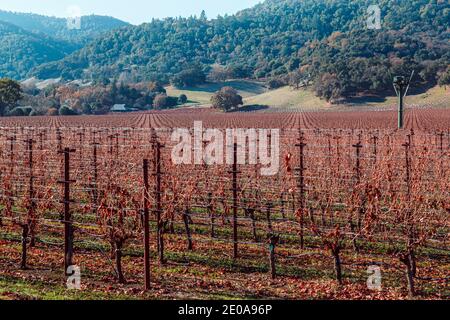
133, 11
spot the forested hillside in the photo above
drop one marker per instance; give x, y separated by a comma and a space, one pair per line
29, 40
324, 42
91, 26
327, 40
20, 50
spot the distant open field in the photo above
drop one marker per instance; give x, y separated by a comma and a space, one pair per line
289, 99
202, 94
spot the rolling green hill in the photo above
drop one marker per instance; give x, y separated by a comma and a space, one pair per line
202, 94
289, 99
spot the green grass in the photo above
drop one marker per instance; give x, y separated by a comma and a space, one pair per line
213, 259
304, 99
13, 288
202, 94
437, 96
286, 98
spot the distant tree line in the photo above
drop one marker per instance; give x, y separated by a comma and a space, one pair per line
10, 94
70, 99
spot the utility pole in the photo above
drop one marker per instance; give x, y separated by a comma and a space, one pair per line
401, 86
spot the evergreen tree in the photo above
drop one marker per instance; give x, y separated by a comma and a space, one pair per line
10, 94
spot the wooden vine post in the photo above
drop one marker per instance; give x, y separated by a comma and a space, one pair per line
210, 210
157, 193
186, 217
358, 146
234, 173
375, 148
68, 227
95, 145
23, 263
408, 258
442, 153
59, 139
41, 140
301, 186
32, 202
268, 216
273, 240
146, 227
11, 153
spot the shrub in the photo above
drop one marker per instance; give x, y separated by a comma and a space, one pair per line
171, 102
189, 77
17, 112
66, 111
27, 110
444, 79
275, 83
226, 99
156, 87
162, 101
182, 99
